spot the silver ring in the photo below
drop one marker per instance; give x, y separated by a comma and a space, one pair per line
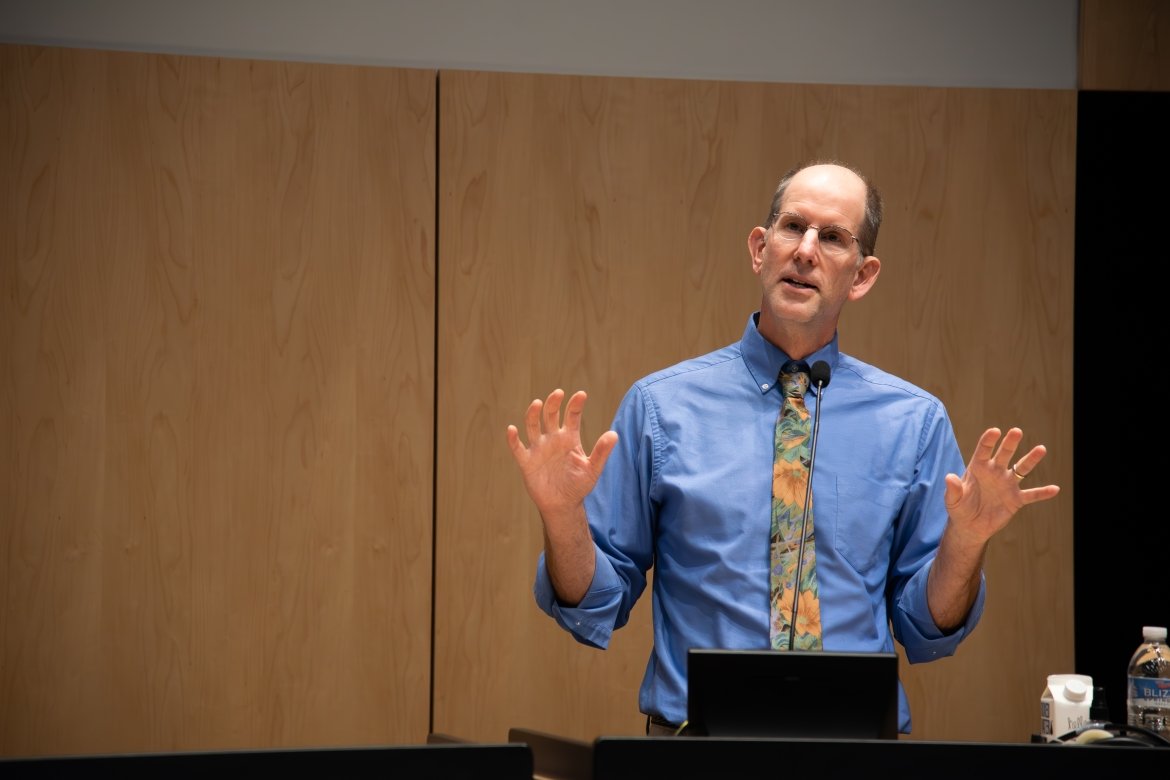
1017, 474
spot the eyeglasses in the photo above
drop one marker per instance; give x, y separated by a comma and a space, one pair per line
834, 239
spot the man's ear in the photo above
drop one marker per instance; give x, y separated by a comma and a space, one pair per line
756, 240
867, 274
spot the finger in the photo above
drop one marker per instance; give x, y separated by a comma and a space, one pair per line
1032, 495
601, 450
574, 409
1007, 448
532, 420
986, 445
954, 491
552, 410
514, 444
1025, 465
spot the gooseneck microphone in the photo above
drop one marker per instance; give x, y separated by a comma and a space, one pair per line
819, 375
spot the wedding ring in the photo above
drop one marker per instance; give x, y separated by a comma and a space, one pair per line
1013, 470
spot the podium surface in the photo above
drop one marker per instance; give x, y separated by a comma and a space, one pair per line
636, 758
453, 761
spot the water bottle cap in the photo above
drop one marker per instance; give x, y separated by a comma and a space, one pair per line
1154, 633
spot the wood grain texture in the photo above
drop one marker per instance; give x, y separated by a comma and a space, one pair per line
1125, 45
593, 230
217, 395
216, 354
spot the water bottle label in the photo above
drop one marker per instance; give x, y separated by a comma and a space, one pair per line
1150, 691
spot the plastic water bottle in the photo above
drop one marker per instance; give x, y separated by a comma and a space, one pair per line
1148, 696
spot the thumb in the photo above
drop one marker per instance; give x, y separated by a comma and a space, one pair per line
601, 451
954, 491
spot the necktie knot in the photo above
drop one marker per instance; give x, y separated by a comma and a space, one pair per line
794, 378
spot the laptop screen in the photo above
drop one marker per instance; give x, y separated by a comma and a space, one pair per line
805, 694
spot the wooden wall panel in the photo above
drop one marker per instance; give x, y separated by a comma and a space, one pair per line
976, 306
594, 229
216, 399
1125, 45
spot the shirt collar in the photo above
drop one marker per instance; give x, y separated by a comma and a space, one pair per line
763, 358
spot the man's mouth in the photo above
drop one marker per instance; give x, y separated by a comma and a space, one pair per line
798, 283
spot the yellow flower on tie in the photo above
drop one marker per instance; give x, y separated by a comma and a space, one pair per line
788, 482
808, 615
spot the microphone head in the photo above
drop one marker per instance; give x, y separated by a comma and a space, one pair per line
819, 373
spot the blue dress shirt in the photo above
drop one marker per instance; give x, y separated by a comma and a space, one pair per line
687, 491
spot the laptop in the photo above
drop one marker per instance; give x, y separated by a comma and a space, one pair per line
794, 694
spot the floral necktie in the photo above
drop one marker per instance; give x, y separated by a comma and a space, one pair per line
789, 490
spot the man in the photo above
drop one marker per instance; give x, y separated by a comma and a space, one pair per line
901, 527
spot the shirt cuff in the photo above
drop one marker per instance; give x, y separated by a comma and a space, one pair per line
590, 622
920, 637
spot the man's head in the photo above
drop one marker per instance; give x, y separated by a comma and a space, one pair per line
867, 232
814, 253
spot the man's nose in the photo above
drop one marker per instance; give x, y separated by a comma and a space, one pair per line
809, 243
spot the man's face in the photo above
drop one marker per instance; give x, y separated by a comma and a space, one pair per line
806, 281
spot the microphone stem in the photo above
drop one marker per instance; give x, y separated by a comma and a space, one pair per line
812, 459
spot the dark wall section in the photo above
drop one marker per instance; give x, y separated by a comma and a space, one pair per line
1121, 402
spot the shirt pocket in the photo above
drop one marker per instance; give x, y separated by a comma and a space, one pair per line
864, 528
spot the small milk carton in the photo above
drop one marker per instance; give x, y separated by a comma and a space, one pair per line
1065, 704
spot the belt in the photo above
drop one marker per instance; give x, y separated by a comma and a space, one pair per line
655, 720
